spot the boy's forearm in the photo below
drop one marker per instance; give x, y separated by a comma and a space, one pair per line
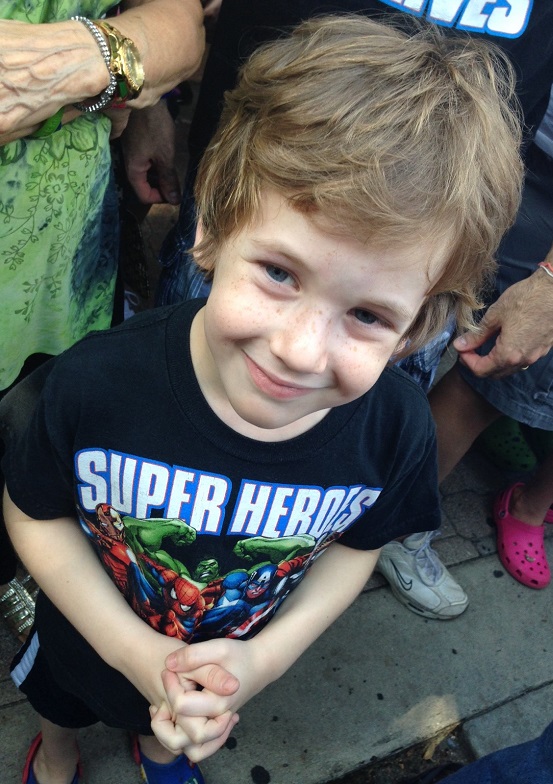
329, 588
331, 585
63, 563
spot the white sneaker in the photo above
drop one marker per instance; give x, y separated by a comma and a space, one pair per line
419, 580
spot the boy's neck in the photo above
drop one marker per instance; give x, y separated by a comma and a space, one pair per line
208, 380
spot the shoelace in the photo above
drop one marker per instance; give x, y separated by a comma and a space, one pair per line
427, 559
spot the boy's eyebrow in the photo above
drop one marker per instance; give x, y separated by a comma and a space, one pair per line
391, 306
275, 246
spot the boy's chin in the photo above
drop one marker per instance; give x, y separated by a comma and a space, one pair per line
280, 424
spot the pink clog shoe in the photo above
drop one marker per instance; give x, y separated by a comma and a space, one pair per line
520, 545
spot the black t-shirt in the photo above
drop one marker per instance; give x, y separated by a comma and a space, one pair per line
206, 531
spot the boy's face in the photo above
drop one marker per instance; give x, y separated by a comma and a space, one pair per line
300, 319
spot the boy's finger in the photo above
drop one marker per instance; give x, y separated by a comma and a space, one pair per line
169, 735
190, 732
216, 679
197, 703
196, 662
199, 730
199, 752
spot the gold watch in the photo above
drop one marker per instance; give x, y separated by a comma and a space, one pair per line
125, 64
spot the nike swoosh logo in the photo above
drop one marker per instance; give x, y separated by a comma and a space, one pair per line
405, 584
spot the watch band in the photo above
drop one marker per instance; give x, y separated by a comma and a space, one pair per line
125, 62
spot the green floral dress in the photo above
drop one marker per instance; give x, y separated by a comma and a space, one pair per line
58, 223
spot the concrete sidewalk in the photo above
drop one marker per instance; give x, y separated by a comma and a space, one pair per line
381, 680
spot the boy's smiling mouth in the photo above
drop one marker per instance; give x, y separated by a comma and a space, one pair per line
273, 386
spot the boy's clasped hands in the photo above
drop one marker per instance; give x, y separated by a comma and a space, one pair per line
205, 684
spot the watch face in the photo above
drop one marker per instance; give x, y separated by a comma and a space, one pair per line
125, 62
133, 72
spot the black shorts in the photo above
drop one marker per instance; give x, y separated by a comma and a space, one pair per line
67, 682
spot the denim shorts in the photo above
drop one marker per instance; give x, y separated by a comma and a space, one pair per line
526, 396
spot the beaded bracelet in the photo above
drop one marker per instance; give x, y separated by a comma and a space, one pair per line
547, 267
102, 100
49, 126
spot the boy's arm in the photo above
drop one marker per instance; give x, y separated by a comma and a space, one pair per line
59, 557
331, 585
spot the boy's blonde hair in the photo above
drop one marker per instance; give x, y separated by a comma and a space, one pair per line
399, 138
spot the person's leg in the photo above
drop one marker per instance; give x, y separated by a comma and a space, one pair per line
57, 756
413, 569
530, 762
153, 749
460, 415
531, 501
66, 681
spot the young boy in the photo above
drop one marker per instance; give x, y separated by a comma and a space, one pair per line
254, 449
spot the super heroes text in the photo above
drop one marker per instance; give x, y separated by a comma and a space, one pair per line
144, 488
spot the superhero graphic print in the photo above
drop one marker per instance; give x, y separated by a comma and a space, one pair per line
198, 603
196, 560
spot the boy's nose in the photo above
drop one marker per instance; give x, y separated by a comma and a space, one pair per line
302, 342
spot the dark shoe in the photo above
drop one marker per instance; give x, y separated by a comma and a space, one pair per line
180, 771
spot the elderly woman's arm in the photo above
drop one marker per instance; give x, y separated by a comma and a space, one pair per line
49, 66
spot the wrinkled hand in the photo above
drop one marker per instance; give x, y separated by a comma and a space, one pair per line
199, 722
149, 154
19, 133
522, 321
42, 68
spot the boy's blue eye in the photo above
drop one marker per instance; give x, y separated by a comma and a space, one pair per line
365, 316
277, 273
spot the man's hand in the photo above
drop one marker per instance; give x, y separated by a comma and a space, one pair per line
119, 121
522, 321
149, 153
